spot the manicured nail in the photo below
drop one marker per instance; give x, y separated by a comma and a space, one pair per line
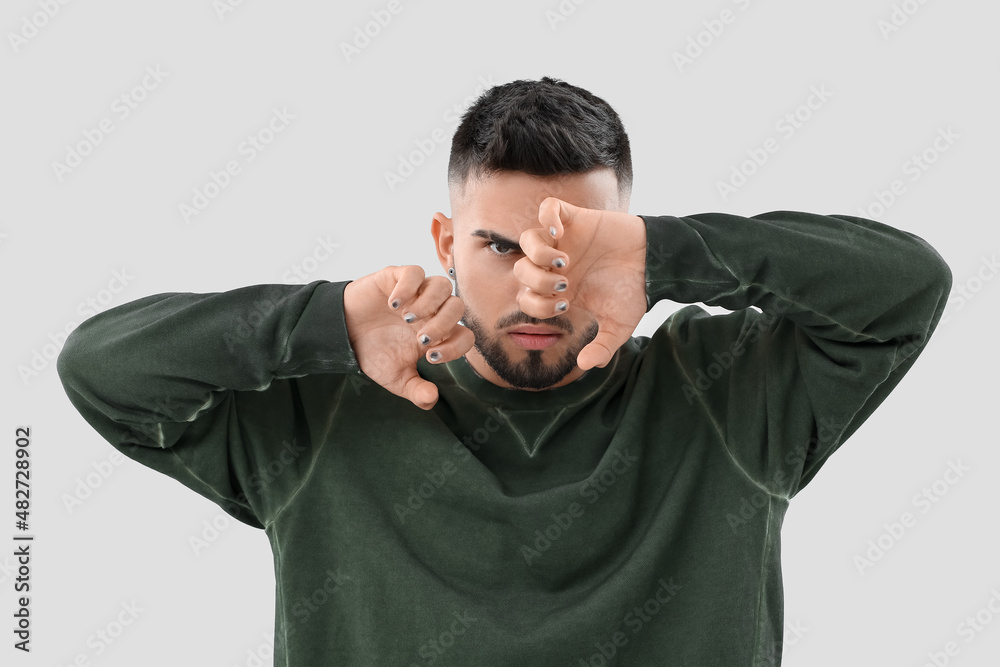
424, 339
435, 355
409, 317
560, 286
552, 230
561, 306
558, 262
395, 304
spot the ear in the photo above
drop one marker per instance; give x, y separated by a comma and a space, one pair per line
444, 239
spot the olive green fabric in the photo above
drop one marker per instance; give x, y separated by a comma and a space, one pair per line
631, 517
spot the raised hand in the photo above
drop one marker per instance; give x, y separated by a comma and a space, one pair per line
389, 313
603, 255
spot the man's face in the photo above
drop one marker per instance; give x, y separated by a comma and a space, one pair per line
480, 241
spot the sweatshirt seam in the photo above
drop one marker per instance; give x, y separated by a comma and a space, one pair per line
298, 318
715, 424
312, 466
714, 259
761, 581
198, 477
284, 617
285, 359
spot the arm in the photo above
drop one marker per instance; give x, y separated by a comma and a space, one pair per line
177, 382
848, 305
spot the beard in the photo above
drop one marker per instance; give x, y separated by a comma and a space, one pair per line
532, 372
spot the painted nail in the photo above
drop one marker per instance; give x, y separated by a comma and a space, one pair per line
409, 317
435, 355
424, 339
561, 306
560, 286
552, 230
395, 304
558, 262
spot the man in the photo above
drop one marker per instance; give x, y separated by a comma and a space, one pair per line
504, 475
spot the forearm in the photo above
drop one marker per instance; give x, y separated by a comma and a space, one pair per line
149, 367
846, 278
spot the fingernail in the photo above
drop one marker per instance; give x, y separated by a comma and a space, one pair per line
395, 304
558, 262
409, 317
560, 286
552, 230
435, 355
424, 339
561, 306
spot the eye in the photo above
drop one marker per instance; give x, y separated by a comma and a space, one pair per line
500, 246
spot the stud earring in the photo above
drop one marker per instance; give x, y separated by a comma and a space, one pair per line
451, 271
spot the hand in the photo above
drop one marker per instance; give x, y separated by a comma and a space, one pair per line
386, 345
605, 268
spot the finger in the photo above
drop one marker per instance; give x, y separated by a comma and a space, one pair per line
552, 214
541, 306
432, 293
537, 245
459, 341
599, 351
542, 281
436, 328
406, 283
422, 393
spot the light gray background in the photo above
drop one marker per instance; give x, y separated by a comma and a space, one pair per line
324, 176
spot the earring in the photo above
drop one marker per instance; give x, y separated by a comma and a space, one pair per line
451, 271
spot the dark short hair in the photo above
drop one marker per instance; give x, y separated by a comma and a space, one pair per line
543, 128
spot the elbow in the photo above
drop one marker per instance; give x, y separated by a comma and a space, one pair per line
930, 277
71, 364
67, 360
934, 293
939, 283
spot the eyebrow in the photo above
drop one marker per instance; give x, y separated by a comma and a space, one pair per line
497, 237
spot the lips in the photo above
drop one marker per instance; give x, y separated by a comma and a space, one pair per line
535, 337
534, 329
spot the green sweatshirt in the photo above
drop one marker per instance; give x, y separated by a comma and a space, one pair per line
631, 517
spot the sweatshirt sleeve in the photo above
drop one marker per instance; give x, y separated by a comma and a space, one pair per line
846, 306
202, 387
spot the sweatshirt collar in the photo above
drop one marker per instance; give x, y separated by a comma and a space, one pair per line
459, 374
